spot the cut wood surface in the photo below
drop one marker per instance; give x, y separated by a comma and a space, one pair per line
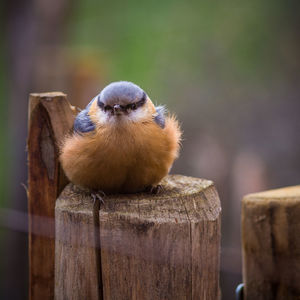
271, 244
50, 118
164, 246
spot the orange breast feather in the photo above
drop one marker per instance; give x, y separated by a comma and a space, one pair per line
121, 159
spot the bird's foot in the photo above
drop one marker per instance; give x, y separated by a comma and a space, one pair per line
98, 196
154, 190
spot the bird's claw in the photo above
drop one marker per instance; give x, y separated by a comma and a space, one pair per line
99, 195
154, 190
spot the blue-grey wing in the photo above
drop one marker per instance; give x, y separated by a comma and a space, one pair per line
160, 116
83, 122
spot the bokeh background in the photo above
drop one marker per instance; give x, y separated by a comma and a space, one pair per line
229, 69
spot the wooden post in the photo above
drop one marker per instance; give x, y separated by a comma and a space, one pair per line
164, 246
50, 118
271, 244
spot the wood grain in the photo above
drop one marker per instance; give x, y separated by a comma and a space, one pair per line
50, 118
77, 256
271, 244
164, 246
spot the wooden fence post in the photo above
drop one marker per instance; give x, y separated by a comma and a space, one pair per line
271, 244
164, 246
50, 118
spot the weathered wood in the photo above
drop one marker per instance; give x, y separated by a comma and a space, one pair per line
50, 118
77, 261
164, 246
271, 244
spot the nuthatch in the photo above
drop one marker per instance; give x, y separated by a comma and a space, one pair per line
121, 142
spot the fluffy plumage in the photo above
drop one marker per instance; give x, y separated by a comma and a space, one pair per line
121, 142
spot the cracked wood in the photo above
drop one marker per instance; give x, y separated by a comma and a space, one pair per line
164, 246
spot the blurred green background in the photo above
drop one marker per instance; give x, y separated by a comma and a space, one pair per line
228, 69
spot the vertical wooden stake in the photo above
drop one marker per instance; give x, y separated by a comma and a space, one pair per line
50, 118
271, 244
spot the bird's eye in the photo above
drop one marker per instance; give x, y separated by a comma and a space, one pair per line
133, 106
107, 107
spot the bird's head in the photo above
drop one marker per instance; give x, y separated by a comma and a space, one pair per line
123, 101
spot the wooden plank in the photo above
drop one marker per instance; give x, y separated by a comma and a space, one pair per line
164, 246
50, 118
271, 244
77, 256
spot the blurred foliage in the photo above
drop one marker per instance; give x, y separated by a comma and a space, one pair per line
158, 43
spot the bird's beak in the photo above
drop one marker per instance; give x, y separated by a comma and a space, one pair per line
117, 109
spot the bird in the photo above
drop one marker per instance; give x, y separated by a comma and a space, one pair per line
121, 142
